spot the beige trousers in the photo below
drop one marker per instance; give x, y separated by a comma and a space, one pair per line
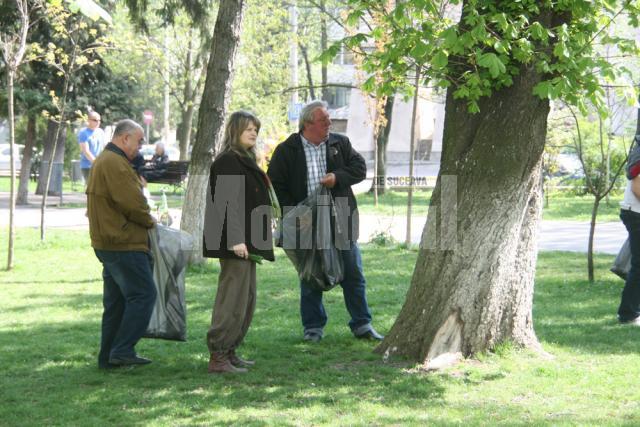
234, 305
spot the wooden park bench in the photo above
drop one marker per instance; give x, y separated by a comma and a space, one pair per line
175, 175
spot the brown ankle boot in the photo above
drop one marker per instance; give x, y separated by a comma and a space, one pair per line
238, 361
219, 363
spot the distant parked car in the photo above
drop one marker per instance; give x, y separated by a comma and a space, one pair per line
149, 150
5, 158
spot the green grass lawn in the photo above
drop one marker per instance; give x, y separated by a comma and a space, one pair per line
49, 333
67, 185
568, 207
559, 206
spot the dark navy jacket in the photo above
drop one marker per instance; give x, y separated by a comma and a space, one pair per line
288, 173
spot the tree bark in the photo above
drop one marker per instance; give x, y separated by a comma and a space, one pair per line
382, 142
211, 115
472, 286
25, 167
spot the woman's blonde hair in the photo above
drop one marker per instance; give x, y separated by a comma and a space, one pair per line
237, 123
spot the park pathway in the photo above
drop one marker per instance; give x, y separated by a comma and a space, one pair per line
555, 235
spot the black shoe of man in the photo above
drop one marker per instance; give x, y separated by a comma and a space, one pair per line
370, 334
312, 337
129, 361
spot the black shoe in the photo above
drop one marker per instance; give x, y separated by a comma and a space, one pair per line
127, 361
370, 334
312, 337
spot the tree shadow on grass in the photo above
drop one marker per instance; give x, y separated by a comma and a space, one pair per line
576, 314
51, 366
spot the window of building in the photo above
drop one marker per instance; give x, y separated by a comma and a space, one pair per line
337, 97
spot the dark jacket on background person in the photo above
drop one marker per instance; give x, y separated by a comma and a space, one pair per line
118, 212
256, 195
288, 173
159, 163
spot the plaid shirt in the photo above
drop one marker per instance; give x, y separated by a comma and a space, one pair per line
316, 163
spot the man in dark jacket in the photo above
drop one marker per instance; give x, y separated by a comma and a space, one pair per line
298, 166
118, 222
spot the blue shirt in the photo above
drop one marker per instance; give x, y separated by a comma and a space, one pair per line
95, 142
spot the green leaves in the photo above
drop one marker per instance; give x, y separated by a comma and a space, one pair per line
494, 41
440, 60
493, 63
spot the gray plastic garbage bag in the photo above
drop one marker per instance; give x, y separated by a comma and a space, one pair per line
307, 239
622, 263
170, 249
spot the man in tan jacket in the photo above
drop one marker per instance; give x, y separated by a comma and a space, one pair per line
118, 222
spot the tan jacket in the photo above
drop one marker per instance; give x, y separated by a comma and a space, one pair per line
118, 212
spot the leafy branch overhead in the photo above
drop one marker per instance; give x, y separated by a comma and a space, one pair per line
75, 41
493, 42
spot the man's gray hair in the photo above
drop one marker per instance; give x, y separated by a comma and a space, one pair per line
126, 126
306, 114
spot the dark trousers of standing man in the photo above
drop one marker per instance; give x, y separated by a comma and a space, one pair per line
128, 300
314, 316
630, 303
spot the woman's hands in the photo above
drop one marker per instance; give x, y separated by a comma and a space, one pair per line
241, 250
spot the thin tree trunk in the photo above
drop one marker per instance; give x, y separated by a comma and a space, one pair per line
324, 44
186, 113
213, 108
592, 232
25, 167
45, 193
49, 153
382, 142
412, 144
12, 168
376, 130
184, 131
307, 64
472, 286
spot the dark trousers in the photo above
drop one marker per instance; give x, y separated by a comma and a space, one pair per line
630, 302
85, 175
314, 316
128, 300
234, 305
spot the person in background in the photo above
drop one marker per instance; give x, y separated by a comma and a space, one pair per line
118, 222
298, 166
239, 188
157, 167
629, 309
92, 141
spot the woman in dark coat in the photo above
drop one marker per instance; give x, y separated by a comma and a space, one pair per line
237, 230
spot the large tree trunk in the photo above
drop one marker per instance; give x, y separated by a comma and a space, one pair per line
472, 286
213, 108
58, 158
25, 167
382, 142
